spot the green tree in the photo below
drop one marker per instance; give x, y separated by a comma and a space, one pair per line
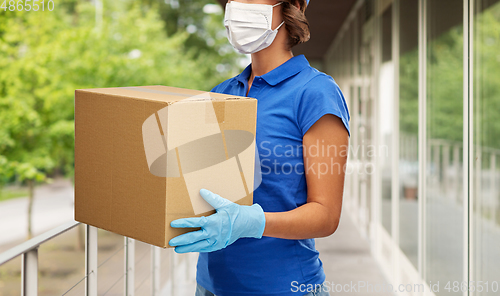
45, 56
445, 83
487, 77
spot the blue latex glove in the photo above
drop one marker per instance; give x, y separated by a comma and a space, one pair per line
230, 222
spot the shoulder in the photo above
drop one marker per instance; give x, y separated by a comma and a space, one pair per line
317, 82
319, 87
319, 95
224, 86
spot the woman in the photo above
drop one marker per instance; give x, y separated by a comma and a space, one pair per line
268, 248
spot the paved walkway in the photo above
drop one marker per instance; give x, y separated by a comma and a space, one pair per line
347, 260
345, 255
52, 206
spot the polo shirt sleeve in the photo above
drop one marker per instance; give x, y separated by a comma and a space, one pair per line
214, 90
321, 96
222, 87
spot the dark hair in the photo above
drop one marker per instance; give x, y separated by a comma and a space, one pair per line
295, 21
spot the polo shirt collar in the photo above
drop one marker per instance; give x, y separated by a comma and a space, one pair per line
243, 76
279, 74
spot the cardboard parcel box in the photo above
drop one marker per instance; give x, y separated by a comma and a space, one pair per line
143, 153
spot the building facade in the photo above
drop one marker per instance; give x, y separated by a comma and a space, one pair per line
422, 81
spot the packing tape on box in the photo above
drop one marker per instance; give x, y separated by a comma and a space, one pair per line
185, 139
202, 96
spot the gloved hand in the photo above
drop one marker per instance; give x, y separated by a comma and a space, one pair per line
230, 222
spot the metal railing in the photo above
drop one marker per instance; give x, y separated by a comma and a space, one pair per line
29, 266
445, 173
29, 252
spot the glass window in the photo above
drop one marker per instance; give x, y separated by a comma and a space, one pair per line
386, 101
486, 142
444, 128
408, 129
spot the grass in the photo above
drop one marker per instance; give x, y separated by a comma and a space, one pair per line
11, 193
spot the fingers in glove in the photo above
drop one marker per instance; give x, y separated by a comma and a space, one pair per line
213, 199
188, 238
189, 222
200, 246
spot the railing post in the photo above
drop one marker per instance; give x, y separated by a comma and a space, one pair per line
29, 281
91, 260
445, 170
457, 189
438, 180
129, 266
155, 271
493, 189
478, 186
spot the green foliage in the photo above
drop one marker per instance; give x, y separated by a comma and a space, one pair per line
444, 88
408, 93
445, 84
45, 56
487, 78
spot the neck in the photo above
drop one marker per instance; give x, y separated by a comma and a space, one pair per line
271, 57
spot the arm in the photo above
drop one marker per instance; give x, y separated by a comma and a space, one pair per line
320, 216
317, 218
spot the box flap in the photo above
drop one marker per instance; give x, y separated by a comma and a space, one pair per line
161, 93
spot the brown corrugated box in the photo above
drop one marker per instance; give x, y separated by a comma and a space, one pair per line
143, 153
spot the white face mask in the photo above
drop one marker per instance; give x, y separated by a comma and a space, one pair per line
249, 26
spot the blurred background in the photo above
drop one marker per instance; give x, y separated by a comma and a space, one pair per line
421, 79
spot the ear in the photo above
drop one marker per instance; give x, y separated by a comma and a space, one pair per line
296, 3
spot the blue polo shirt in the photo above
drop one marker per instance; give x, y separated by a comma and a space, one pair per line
290, 99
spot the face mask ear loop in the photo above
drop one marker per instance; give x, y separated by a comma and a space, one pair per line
279, 26
282, 21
